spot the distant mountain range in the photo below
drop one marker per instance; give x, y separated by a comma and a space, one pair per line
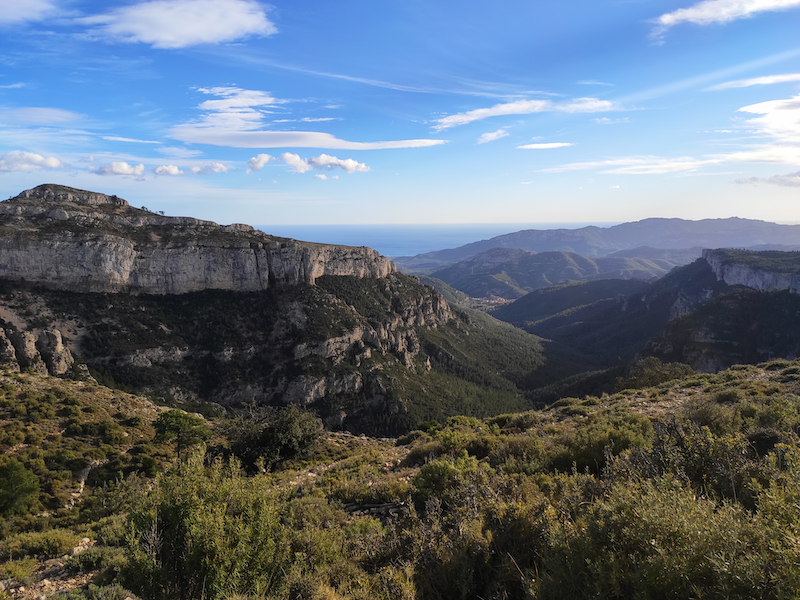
512, 272
599, 242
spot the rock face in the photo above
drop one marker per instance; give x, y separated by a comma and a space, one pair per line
730, 271
77, 240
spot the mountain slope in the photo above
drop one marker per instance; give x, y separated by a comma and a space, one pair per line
330, 328
596, 241
511, 272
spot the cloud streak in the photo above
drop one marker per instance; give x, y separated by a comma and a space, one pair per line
172, 24
788, 180
712, 12
29, 10
524, 107
545, 146
767, 80
236, 119
491, 137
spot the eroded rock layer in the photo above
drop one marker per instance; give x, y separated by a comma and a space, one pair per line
77, 240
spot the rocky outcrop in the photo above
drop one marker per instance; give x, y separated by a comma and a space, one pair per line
84, 241
40, 350
736, 273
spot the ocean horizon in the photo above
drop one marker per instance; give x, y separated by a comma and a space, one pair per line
408, 240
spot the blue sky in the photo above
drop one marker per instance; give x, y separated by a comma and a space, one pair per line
318, 112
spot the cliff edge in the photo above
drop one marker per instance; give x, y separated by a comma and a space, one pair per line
83, 241
764, 271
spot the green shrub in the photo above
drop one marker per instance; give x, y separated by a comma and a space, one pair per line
50, 544
95, 558
208, 534
19, 488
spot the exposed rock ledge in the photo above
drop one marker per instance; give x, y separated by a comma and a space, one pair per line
734, 273
66, 238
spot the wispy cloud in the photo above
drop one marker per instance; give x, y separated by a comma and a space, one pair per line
35, 115
524, 107
181, 23
519, 107
494, 135
28, 10
17, 160
545, 146
766, 80
780, 119
174, 152
321, 176
712, 12
237, 120
637, 165
114, 138
788, 180
593, 82
607, 121
12, 86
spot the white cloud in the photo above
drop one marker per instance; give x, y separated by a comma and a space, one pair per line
17, 160
39, 116
257, 162
321, 176
167, 170
237, 120
614, 187
524, 107
234, 98
547, 146
297, 163
121, 168
12, 86
113, 138
210, 168
27, 10
637, 165
490, 137
182, 23
780, 120
788, 180
323, 161
593, 82
766, 80
718, 11
318, 119
586, 105
519, 107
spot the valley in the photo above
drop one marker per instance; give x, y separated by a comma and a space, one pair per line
189, 410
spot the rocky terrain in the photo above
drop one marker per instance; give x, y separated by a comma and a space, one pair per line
191, 310
84, 241
768, 271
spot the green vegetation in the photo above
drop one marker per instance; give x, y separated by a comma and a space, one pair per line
689, 487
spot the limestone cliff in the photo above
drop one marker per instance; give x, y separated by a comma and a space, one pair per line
738, 268
77, 240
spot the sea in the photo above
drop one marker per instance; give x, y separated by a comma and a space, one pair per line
408, 240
